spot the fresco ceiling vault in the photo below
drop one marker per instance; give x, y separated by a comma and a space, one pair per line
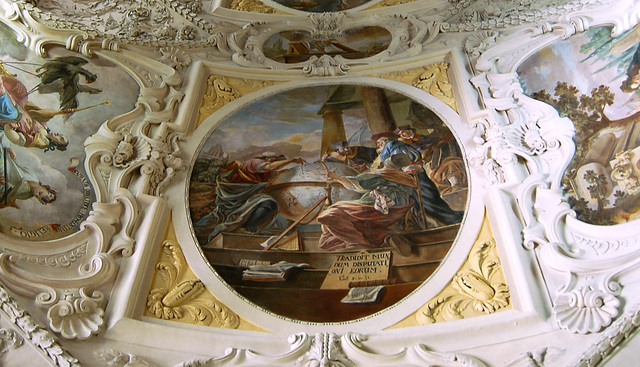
319, 183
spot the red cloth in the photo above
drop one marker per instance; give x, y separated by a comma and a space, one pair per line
346, 224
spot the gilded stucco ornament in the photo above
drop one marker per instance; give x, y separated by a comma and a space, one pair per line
478, 287
221, 90
432, 78
180, 296
253, 6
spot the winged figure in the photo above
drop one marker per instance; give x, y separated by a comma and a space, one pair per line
62, 75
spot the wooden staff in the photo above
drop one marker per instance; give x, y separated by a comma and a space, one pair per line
295, 223
424, 215
6, 177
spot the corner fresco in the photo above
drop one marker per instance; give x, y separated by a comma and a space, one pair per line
343, 198
48, 107
321, 6
298, 46
593, 80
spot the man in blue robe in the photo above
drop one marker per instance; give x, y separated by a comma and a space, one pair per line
433, 203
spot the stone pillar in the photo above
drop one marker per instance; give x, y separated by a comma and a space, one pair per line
377, 110
332, 129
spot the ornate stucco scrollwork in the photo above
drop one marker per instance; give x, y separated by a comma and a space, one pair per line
478, 288
585, 309
77, 315
164, 162
116, 358
9, 339
36, 335
408, 35
325, 351
612, 339
326, 65
180, 296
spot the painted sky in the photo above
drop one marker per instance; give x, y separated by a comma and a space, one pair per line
289, 116
51, 167
563, 61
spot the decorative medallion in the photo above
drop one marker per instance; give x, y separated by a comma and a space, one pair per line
322, 194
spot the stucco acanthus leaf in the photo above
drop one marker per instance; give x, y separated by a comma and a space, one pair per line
253, 6
116, 358
9, 339
325, 350
34, 333
152, 23
537, 358
613, 338
466, 15
326, 65
478, 288
182, 296
432, 78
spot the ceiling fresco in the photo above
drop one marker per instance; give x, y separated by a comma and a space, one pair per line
594, 82
49, 107
290, 192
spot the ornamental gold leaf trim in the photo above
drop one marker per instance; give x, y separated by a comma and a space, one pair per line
177, 295
478, 288
433, 79
385, 3
221, 90
253, 6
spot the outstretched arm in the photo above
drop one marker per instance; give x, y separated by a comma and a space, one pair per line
273, 166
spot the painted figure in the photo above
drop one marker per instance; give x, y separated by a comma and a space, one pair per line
16, 183
367, 222
23, 122
358, 157
240, 201
422, 143
431, 201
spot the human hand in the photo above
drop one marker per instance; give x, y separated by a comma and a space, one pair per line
412, 169
12, 154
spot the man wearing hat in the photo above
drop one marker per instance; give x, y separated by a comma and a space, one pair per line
358, 157
389, 146
408, 134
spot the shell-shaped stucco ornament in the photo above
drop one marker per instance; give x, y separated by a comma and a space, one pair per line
325, 65
76, 317
585, 310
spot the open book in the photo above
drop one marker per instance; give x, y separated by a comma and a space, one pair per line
271, 272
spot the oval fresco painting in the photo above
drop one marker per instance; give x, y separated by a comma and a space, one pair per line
343, 198
298, 46
595, 82
321, 6
48, 109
